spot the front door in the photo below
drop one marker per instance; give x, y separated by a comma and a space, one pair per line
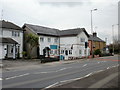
66, 54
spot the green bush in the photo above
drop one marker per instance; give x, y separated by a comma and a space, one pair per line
97, 52
24, 54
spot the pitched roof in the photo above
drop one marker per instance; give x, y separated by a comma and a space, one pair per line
9, 25
8, 40
73, 32
43, 30
95, 38
40, 30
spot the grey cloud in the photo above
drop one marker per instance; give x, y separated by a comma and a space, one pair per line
69, 4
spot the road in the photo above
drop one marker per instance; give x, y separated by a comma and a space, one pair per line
46, 76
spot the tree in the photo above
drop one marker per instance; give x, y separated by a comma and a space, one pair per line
32, 41
116, 46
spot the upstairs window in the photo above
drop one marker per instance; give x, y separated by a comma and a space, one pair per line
49, 39
56, 40
82, 39
41, 39
15, 33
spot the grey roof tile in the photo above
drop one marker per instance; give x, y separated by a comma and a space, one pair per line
95, 38
43, 30
8, 40
9, 25
55, 32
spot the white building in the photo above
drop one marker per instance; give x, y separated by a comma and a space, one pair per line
72, 43
11, 40
48, 40
53, 42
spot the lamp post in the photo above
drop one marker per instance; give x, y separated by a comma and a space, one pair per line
92, 31
113, 36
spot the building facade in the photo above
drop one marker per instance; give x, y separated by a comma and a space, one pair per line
48, 40
96, 44
11, 40
72, 43
64, 43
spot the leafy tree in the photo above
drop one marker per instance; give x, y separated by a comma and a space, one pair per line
32, 41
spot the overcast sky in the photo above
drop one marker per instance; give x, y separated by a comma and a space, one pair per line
64, 14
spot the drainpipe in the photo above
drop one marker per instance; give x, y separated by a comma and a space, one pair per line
14, 52
59, 48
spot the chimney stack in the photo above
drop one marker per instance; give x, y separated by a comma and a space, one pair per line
94, 34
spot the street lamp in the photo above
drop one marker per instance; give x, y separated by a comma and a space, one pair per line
113, 35
92, 31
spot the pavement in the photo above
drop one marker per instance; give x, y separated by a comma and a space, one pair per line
8, 65
54, 73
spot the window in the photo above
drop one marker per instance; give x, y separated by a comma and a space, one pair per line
1, 32
85, 52
15, 34
82, 39
56, 40
55, 51
18, 34
12, 33
62, 51
80, 51
51, 51
49, 39
41, 39
70, 51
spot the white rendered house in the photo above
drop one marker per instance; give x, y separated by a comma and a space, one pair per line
66, 43
11, 40
48, 40
72, 43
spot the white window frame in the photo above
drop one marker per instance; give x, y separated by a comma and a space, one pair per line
80, 51
49, 39
41, 39
82, 39
56, 40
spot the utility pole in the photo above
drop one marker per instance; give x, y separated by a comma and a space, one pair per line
113, 36
92, 31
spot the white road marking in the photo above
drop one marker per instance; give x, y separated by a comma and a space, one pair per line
98, 71
51, 85
71, 80
84, 65
104, 61
17, 76
63, 69
88, 75
108, 67
1, 79
98, 62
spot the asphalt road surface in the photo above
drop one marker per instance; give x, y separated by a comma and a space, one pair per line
46, 76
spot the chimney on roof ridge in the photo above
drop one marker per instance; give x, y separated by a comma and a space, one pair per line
94, 34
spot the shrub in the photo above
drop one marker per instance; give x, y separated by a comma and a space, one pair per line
97, 52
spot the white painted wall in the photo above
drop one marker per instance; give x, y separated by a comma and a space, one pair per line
47, 44
7, 33
67, 42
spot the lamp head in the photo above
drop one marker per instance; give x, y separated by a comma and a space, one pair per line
95, 9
